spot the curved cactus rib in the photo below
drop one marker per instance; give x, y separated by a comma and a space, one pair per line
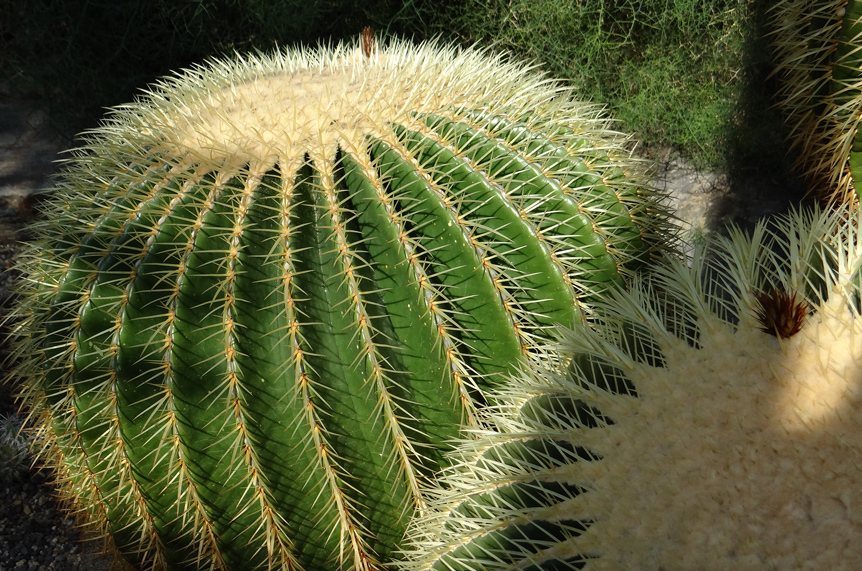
279, 549
847, 83
91, 378
599, 215
269, 358
534, 280
612, 203
340, 377
201, 363
554, 216
148, 419
524, 278
428, 341
407, 326
470, 313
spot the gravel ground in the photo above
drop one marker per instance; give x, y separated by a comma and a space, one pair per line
34, 534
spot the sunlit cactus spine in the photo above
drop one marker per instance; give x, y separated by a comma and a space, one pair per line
818, 47
711, 419
267, 294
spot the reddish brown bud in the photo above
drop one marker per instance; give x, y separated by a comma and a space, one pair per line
367, 41
780, 314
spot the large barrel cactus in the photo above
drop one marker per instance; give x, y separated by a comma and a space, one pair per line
818, 46
710, 420
266, 295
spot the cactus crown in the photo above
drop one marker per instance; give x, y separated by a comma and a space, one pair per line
267, 107
268, 293
681, 435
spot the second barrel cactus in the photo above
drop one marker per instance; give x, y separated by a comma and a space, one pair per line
709, 420
268, 294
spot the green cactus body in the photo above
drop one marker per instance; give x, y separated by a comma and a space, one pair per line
268, 294
709, 419
819, 61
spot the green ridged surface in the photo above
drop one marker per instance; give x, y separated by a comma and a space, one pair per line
251, 364
846, 83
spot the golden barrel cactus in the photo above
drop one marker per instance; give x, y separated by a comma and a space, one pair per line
266, 295
818, 58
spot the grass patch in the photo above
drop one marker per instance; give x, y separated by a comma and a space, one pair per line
675, 72
666, 103
688, 74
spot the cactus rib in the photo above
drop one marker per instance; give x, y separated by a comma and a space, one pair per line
820, 65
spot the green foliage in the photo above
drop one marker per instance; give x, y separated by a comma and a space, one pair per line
267, 295
673, 71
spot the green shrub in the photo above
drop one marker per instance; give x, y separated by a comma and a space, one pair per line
673, 71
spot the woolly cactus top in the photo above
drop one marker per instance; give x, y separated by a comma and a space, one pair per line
266, 107
744, 450
683, 436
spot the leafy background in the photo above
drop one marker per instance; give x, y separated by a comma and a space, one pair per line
686, 74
